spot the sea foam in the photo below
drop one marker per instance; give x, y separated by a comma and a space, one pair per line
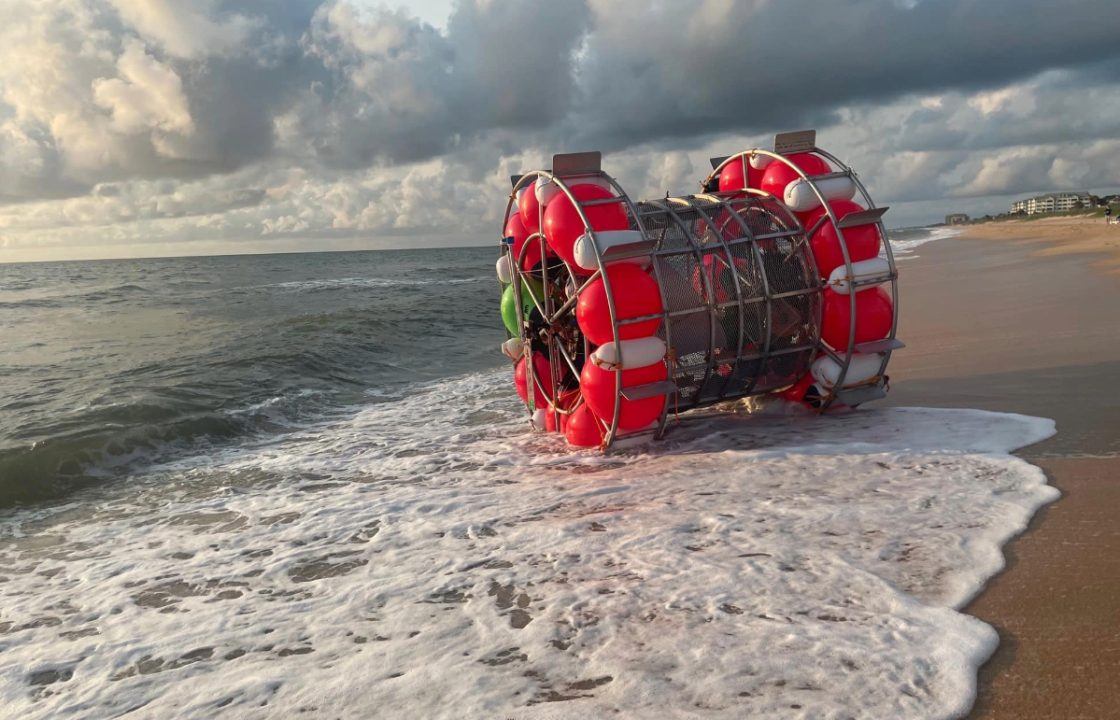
905, 241
429, 557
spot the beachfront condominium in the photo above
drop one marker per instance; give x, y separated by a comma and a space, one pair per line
1054, 202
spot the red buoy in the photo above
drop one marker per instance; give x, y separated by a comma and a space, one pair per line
583, 429
566, 401
874, 314
862, 240
731, 177
543, 369
796, 392
550, 421
562, 223
598, 388
777, 174
516, 229
635, 294
529, 208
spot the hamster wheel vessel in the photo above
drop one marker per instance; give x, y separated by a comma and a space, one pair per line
771, 280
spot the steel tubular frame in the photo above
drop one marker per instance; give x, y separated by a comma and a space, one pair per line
555, 309
843, 360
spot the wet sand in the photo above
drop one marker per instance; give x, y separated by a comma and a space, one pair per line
1059, 236
995, 322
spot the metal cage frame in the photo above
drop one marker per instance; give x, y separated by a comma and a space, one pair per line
568, 170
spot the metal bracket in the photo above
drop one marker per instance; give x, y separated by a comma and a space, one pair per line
863, 217
641, 392
637, 248
879, 346
794, 142
861, 394
581, 163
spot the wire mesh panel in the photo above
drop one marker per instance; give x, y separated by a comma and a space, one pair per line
721, 264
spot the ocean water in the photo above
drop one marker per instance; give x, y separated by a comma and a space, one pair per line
108, 366
265, 486
904, 241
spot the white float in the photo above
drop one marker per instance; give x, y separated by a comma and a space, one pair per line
514, 349
502, 267
759, 162
862, 368
545, 190
799, 195
584, 249
876, 268
629, 354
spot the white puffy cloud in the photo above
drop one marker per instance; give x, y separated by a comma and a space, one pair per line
147, 97
269, 123
185, 29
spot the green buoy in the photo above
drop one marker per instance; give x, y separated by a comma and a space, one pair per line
509, 309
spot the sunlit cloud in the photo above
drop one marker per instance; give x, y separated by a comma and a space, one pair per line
128, 124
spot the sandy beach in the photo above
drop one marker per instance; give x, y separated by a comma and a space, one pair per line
1059, 236
1022, 316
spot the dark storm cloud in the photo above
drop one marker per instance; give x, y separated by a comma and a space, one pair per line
705, 67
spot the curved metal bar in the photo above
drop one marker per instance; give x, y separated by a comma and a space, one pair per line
886, 355
604, 276
709, 291
769, 298
814, 272
739, 304
666, 323
849, 351
516, 273
636, 216
546, 313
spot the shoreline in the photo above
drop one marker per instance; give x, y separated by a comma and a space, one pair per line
1060, 235
990, 326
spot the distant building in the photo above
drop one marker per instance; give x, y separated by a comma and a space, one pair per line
956, 219
1054, 202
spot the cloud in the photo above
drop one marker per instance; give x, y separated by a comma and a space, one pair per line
185, 30
329, 122
147, 97
398, 90
704, 66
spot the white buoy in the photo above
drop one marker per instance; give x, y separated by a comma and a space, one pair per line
629, 354
862, 368
545, 190
502, 267
876, 268
759, 162
514, 349
584, 251
799, 195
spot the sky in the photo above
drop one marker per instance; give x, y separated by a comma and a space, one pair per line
133, 128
